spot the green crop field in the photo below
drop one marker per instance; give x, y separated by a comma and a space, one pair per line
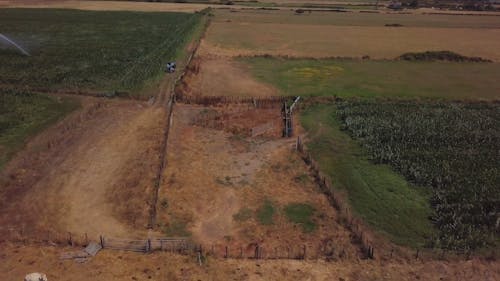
90, 51
345, 78
450, 147
23, 114
378, 194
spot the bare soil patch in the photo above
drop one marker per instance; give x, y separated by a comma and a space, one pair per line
210, 75
212, 175
91, 173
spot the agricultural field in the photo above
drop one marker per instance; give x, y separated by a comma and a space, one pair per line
450, 147
322, 34
24, 114
379, 195
400, 137
85, 54
368, 78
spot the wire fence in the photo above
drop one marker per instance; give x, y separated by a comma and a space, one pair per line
360, 233
257, 102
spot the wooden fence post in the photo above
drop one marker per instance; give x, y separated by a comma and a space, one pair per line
102, 241
148, 246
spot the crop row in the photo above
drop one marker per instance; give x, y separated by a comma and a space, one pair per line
452, 147
86, 50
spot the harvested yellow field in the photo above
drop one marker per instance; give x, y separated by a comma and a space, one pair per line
379, 42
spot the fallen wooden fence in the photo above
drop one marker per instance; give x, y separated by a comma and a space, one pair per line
257, 102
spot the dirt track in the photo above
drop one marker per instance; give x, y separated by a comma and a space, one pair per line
95, 177
221, 76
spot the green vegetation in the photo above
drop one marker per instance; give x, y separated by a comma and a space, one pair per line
243, 215
24, 114
379, 195
345, 78
265, 214
301, 214
176, 228
440, 56
451, 147
91, 51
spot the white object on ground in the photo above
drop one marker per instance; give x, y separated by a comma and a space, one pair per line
35, 276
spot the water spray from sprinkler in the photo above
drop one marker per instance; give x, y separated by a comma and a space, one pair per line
5, 38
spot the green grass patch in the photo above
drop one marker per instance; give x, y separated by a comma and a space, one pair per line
378, 194
24, 114
266, 212
91, 50
176, 228
301, 213
243, 214
451, 147
347, 78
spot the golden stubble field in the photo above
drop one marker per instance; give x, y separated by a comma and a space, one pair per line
357, 36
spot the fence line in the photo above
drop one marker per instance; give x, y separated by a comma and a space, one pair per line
325, 183
257, 102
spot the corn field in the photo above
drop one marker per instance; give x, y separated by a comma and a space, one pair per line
452, 147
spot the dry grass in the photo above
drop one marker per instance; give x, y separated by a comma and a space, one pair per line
17, 261
91, 173
213, 175
225, 77
347, 41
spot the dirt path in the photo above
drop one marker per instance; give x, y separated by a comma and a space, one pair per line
96, 179
224, 76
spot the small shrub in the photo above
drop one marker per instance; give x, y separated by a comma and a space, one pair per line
302, 178
244, 214
176, 228
266, 213
164, 203
301, 213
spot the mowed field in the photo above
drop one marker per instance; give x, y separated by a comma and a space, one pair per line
323, 34
103, 52
368, 78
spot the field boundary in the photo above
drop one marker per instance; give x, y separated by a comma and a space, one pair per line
324, 182
170, 108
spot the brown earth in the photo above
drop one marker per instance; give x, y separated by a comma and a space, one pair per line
319, 41
17, 261
211, 75
91, 173
212, 175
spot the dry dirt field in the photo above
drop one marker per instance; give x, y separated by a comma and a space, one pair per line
212, 174
91, 173
219, 76
357, 36
15, 261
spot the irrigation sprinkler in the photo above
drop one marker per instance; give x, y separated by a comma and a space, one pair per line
8, 40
